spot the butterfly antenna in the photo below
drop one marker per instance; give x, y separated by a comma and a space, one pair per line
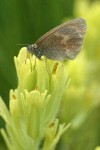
22, 44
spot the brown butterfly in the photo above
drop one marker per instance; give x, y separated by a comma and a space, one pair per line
62, 42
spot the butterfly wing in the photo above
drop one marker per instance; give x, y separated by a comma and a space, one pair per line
64, 41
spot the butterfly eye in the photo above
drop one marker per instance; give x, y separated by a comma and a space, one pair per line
33, 49
34, 45
30, 48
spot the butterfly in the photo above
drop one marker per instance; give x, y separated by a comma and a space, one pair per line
62, 42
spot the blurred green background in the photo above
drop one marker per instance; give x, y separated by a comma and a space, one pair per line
24, 21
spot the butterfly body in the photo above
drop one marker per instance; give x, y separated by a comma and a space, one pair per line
62, 42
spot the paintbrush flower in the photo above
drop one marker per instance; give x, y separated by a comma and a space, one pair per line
32, 122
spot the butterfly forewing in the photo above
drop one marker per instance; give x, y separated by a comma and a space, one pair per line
64, 41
